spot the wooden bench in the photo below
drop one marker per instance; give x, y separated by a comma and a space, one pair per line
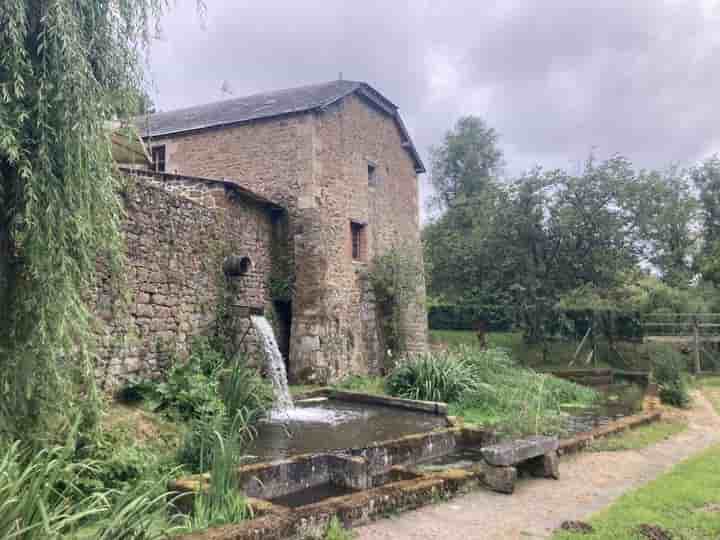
537, 455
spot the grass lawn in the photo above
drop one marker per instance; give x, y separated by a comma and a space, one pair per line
475, 415
506, 340
558, 354
684, 502
711, 388
641, 437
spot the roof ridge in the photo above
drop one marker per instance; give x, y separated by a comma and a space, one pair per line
357, 84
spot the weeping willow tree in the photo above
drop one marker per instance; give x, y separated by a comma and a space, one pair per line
67, 67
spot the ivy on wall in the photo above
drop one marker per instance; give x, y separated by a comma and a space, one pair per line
395, 278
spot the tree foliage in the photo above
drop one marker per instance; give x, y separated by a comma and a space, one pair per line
706, 178
466, 161
527, 244
67, 67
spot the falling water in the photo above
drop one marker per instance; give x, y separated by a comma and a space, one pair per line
275, 363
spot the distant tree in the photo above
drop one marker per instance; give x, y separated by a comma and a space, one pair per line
706, 178
532, 245
560, 232
528, 242
590, 220
666, 214
527, 252
465, 163
463, 175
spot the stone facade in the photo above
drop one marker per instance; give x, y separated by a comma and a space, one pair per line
344, 167
173, 286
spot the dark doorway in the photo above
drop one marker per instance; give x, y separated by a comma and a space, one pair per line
283, 310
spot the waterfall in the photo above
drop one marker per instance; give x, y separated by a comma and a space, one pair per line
274, 362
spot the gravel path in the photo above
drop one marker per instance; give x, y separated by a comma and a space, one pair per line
589, 482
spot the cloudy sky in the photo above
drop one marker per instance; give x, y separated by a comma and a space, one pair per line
556, 78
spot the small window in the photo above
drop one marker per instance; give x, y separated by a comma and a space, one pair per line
158, 158
357, 232
372, 179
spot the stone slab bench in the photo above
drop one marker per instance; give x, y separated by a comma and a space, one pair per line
536, 455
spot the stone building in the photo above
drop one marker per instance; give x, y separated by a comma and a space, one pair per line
309, 184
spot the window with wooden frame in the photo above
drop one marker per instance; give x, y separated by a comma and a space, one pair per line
358, 241
158, 158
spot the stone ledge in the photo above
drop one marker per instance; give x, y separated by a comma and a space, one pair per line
352, 510
432, 407
581, 440
323, 391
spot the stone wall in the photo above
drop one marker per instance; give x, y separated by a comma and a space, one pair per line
316, 165
172, 286
273, 158
353, 136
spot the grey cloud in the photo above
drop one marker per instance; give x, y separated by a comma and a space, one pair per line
273, 44
637, 78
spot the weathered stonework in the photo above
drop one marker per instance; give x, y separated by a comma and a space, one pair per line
316, 165
172, 286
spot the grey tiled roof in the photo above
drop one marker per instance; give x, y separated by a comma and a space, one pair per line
267, 105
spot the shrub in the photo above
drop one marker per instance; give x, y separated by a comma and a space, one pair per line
491, 386
668, 373
442, 316
335, 531
394, 278
245, 397
106, 467
433, 377
195, 449
204, 386
191, 387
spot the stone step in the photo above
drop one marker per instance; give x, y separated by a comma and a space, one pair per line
514, 452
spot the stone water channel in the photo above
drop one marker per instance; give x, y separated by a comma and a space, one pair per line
617, 401
359, 456
322, 424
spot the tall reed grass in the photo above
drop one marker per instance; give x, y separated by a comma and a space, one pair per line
488, 387
39, 501
443, 376
222, 501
